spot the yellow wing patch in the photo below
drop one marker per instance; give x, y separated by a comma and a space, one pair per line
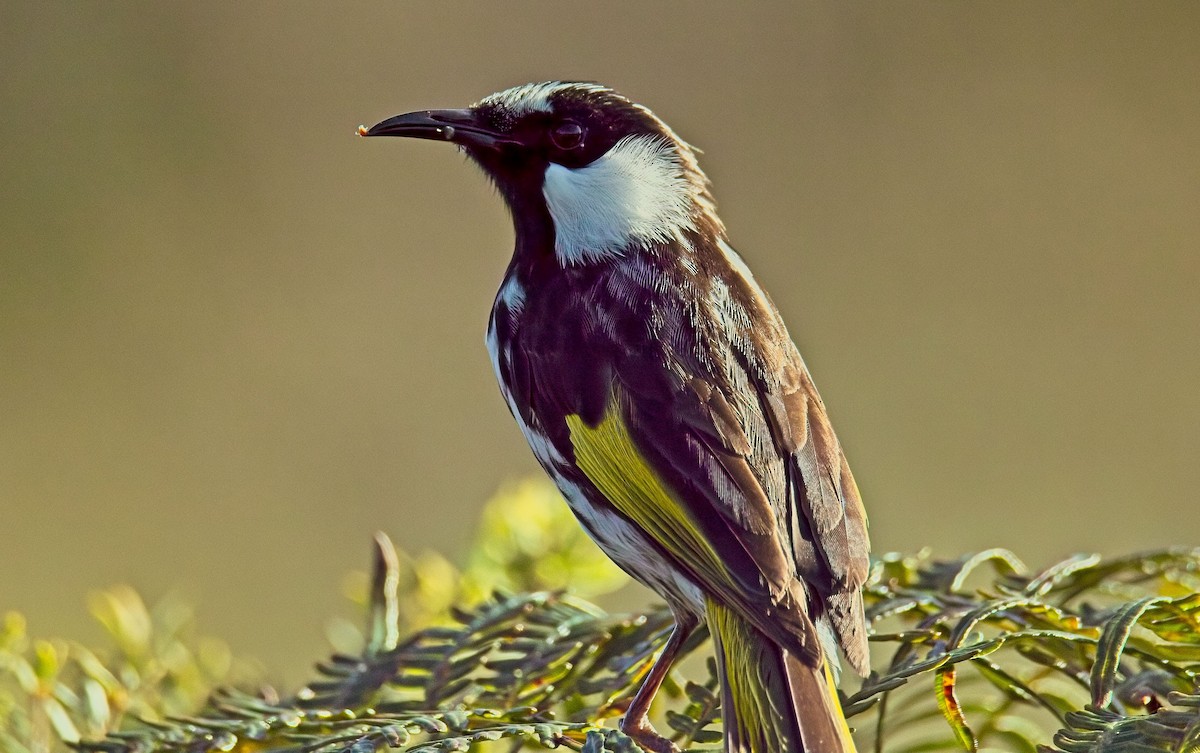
608, 457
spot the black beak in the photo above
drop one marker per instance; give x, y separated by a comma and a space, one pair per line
457, 126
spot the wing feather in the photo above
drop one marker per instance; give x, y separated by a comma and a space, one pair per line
691, 414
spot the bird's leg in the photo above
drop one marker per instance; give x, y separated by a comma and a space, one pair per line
636, 723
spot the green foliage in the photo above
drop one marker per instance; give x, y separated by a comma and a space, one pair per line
527, 541
55, 691
1090, 654
1107, 651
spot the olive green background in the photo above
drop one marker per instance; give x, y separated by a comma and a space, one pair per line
235, 339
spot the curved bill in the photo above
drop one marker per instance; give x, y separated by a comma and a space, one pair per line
456, 126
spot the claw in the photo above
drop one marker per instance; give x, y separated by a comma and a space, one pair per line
642, 733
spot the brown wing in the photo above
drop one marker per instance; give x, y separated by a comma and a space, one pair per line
781, 483
832, 527
717, 401
764, 471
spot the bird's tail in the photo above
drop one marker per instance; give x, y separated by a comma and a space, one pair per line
773, 701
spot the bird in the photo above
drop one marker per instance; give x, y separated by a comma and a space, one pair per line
657, 385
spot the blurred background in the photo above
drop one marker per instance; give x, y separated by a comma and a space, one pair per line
235, 339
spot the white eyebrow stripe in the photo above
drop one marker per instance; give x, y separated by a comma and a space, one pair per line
636, 193
527, 98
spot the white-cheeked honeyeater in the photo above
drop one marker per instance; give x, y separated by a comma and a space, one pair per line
657, 385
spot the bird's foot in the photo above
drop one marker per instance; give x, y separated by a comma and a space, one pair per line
642, 733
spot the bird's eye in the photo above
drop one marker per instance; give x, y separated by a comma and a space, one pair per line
567, 135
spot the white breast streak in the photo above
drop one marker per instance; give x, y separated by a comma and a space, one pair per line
636, 193
512, 295
629, 547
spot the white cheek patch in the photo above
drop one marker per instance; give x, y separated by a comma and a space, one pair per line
636, 193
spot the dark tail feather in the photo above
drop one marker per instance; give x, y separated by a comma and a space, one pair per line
771, 700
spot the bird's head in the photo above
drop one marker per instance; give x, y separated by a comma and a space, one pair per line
585, 171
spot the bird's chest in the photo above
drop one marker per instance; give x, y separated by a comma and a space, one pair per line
533, 340
548, 342
559, 344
